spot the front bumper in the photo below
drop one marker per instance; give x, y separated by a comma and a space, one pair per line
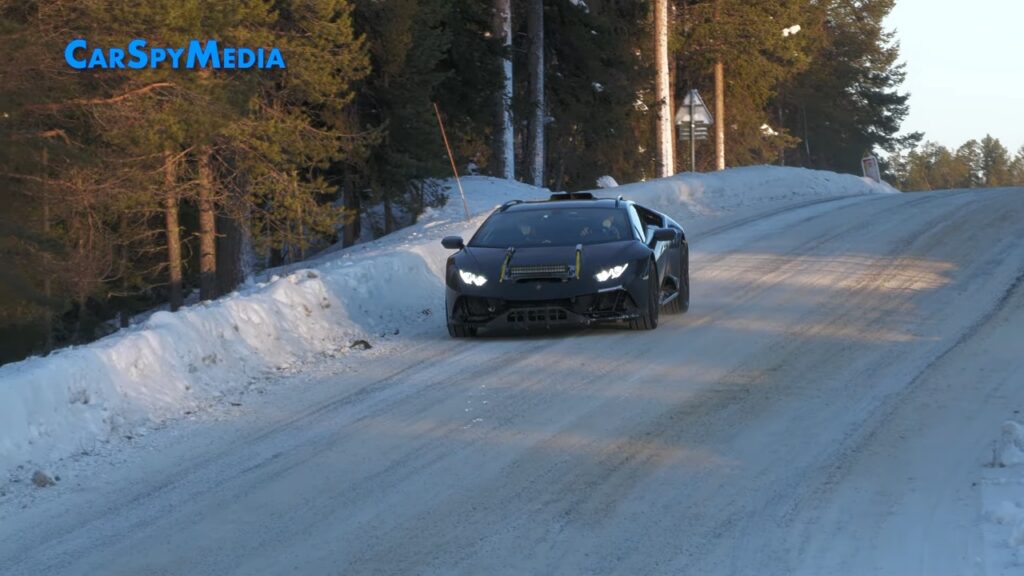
609, 305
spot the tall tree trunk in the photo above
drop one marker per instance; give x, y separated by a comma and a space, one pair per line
207, 228
350, 231
719, 115
172, 229
665, 161
124, 316
47, 282
230, 240
782, 151
535, 30
506, 133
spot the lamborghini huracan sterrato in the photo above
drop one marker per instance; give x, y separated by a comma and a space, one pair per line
572, 259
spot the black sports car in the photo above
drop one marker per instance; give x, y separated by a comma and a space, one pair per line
573, 259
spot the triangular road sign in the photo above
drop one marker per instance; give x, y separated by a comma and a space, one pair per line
701, 114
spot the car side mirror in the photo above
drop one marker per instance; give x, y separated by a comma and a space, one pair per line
453, 242
664, 235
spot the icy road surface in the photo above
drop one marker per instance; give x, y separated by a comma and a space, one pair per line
827, 407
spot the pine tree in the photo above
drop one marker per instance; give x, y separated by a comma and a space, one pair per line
1017, 168
969, 154
756, 57
408, 41
995, 162
848, 102
466, 95
599, 92
134, 155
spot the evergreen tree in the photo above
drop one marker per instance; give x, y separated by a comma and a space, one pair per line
1017, 168
103, 158
848, 102
408, 40
757, 56
466, 94
600, 92
995, 162
969, 153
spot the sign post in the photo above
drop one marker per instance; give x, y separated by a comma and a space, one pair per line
694, 118
870, 166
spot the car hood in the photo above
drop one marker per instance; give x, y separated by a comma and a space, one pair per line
594, 257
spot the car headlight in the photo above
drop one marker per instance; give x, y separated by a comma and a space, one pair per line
473, 279
611, 273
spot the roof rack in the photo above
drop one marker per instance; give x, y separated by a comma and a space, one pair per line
572, 196
509, 203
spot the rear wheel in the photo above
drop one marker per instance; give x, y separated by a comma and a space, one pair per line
684, 279
673, 305
681, 302
648, 319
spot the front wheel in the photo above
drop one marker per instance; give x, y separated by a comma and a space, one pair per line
460, 331
648, 319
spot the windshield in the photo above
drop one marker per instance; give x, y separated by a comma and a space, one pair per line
553, 227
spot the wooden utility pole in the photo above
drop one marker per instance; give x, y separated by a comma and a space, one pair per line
665, 159
719, 105
535, 30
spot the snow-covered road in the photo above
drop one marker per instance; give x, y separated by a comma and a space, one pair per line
828, 406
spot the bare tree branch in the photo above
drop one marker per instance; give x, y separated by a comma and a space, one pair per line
100, 101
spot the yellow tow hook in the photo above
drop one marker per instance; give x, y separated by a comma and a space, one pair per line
504, 263
579, 253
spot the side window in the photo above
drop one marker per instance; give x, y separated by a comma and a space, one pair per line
649, 220
638, 227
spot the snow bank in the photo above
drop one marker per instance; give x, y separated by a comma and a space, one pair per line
693, 197
1003, 500
65, 403
1010, 447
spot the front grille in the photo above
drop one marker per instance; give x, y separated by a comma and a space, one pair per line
538, 270
538, 315
605, 304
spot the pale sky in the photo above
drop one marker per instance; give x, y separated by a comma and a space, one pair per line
965, 66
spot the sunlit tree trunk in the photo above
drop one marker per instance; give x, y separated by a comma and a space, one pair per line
535, 29
506, 134
665, 160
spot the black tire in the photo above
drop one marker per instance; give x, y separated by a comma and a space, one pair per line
460, 331
648, 319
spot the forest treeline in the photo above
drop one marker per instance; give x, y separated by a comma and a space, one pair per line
127, 189
984, 163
